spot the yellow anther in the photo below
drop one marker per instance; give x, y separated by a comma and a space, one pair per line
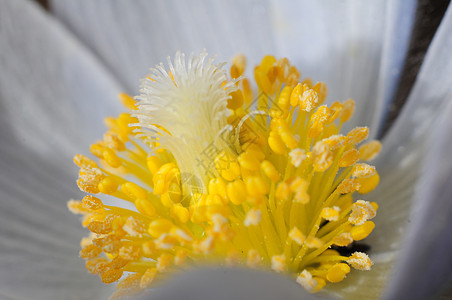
238, 66
180, 213
206, 245
114, 142
318, 119
296, 94
128, 285
248, 161
323, 157
256, 186
165, 241
133, 191
108, 185
297, 156
283, 69
357, 135
301, 196
282, 191
288, 139
349, 158
267, 62
338, 272
247, 90
297, 236
279, 263
97, 150
284, 101
331, 213
276, 143
92, 202
99, 227
309, 100
77, 207
87, 186
336, 108
236, 191
308, 82
374, 205
335, 141
118, 263
153, 164
265, 75
134, 227
90, 251
182, 235
97, 266
160, 184
84, 162
149, 248
321, 90
349, 185
361, 212
110, 156
348, 108
159, 227
300, 187
269, 170
254, 150
174, 191
253, 259
130, 252
362, 170
219, 223
369, 150
181, 257
236, 100
227, 166
360, 261
145, 207
148, 277
253, 217
127, 101
313, 242
362, 231
111, 275
124, 120
216, 200
343, 239
311, 284
163, 262
294, 76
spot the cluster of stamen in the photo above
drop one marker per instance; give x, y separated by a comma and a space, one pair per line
279, 196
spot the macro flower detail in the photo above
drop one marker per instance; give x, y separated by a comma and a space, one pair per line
204, 169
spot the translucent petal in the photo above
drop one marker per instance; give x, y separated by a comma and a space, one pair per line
357, 48
52, 96
426, 260
132, 37
404, 166
226, 284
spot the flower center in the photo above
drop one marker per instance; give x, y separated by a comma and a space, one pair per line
215, 172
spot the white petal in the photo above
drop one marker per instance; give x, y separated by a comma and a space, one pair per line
226, 284
426, 261
51, 91
132, 37
405, 149
357, 48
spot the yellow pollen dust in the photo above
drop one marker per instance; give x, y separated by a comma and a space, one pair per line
210, 170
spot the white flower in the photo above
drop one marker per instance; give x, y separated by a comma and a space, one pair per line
57, 82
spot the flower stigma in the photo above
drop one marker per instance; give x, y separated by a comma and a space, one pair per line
211, 170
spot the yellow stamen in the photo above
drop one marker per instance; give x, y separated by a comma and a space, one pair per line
208, 174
